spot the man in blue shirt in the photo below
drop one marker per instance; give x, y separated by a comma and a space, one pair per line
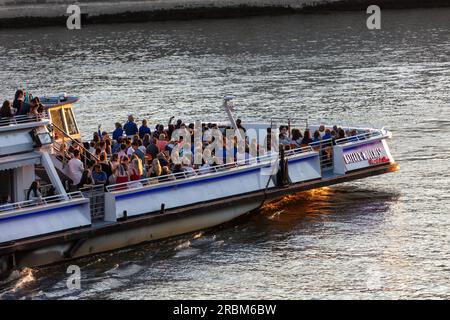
143, 130
118, 132
130, 127
98, 175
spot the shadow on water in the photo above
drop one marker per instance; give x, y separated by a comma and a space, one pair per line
293, 214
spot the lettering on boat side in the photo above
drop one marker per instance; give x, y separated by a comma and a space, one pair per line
226, 309
365, 155
374, 20
368, 154
74, 20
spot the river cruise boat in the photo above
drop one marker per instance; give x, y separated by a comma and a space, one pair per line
65, 225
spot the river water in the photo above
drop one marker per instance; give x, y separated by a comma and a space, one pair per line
383, 237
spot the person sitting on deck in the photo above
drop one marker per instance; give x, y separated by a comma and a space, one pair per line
99, 176
152, 148
306, 138
283, 136
18, 101
138, 152
6, 111
239, 125
130, 127
86, 180
296, 140
34, 193
322, 130
144, 129
327, 135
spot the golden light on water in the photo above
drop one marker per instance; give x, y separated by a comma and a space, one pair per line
26, 278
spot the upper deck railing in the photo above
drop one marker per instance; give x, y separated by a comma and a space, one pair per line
39, 202
23, 119
204, 171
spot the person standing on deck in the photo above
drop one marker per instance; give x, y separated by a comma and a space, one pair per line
130, 127
76, 167
118, 132
144, 129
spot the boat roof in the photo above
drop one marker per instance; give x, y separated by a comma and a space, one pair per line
56, 101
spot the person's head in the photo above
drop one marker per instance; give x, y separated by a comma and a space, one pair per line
156, 167
162, 137
35, 185
86, 174
35, 102
76, 153
296, 134
125, 159
137, 164
97, 168
135, 145
115, 157
238, 122
283, 130
102, 144
130, 118
102, 156
123, 147
6, 105
118, 125
20, 94
317, 134
307, 134
144, 122
327, 131
322, 128
341, 133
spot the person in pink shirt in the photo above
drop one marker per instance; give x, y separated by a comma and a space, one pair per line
162, 142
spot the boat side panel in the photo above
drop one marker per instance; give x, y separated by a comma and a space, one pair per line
359, 155
305, 169
44, 220
182, 194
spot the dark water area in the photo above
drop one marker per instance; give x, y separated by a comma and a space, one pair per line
383, 237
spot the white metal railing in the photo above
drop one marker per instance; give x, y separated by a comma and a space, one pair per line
202, 171
40, 202
360, 137
23, 119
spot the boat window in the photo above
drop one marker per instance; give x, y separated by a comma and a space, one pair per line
56, 115
70, 120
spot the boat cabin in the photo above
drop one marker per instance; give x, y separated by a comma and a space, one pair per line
60, 112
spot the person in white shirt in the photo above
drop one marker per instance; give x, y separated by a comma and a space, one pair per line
76, 168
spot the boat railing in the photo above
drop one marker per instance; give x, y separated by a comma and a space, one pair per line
360, 137
20, 119
57, 145
96, 196
39, 202
204, 171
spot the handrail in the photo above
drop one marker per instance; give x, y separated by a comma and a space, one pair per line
359, 137
202, 172
43, 201
19, 119
76, 142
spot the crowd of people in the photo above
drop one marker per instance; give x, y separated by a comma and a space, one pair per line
135, 152
24, 104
